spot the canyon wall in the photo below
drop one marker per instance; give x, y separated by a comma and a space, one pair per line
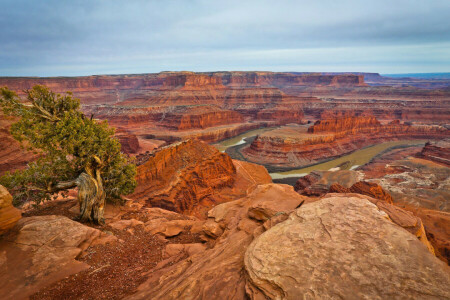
437, 151
331, 138
178, 177
212, 106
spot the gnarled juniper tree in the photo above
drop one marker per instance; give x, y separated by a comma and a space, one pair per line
74, 151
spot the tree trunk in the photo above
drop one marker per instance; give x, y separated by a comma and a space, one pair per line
91, 197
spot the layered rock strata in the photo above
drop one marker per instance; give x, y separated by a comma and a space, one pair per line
179, 176
298, 146
437, 151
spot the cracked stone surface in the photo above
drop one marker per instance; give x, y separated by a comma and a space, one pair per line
42, 250
342, 247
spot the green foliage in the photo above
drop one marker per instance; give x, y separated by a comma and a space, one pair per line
67, 141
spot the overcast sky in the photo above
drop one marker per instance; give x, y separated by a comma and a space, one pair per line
66, 38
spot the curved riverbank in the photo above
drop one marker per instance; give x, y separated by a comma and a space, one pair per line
355, 159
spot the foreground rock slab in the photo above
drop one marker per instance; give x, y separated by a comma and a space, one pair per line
217, 272
342, 247
42, 250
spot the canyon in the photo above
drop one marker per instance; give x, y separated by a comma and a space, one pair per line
184, 104
297, 146
207, 224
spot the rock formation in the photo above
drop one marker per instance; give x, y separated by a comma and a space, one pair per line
417, 182
295, 146
437, 151
371, 189
129, 142
254, 252
348, 244
43, 250
437, 227
184, 118
318, 183
345, 125
191, 176
9, 215
180, 176
218, 272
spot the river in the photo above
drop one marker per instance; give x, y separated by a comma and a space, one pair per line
352, 160
240, 139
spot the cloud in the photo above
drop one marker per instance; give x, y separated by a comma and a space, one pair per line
52, 37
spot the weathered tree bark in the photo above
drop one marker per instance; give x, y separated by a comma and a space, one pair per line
91, 195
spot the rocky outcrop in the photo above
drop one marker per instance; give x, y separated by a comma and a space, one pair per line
351, 245
180, 176
437, 227
371, 189
417, 182
199, 117
43, 250
281, 114
217, 272
344, 125
318, 183
437, 151
191, 177
262, 231
9, 215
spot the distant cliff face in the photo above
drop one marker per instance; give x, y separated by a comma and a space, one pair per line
180, 79
437, 151
283, 79
192, 80
190, 117
345, 124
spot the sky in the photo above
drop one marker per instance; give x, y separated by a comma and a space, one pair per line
73, 38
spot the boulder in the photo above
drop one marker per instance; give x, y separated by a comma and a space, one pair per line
371, 189
42, 251
318, 183
342, 247
168, 228
9, 215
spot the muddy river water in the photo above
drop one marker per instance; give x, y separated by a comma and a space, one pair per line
353, 160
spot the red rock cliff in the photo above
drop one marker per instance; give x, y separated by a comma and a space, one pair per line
437, 151
331, 138
346, 124
178, 177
